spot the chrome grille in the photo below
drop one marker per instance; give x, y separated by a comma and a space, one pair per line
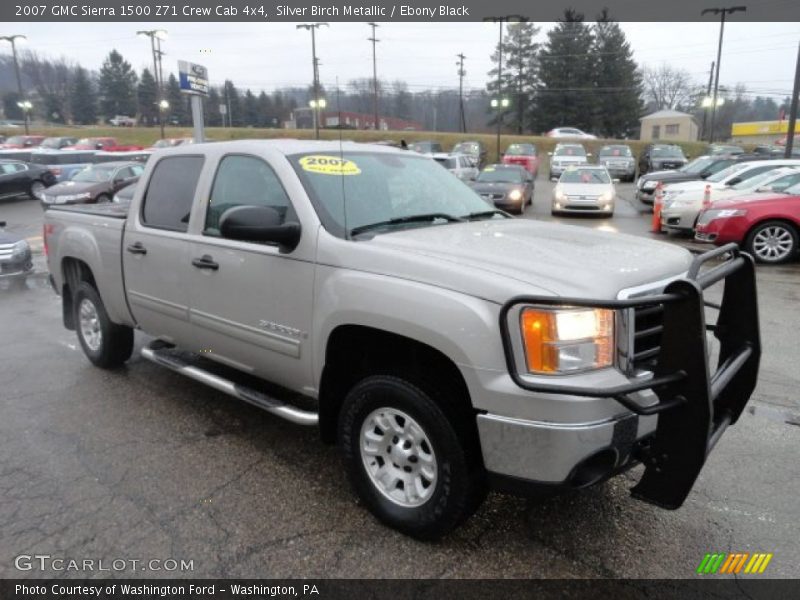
6, 250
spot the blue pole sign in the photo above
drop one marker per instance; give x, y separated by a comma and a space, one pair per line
193, 78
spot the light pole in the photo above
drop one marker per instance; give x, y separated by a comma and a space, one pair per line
316, 107
26, 106
12, 40
156, 35
501, 102
374, 41
312, 27
461, 72
722, 12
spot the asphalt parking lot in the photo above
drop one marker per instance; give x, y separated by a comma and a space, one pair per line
142, 464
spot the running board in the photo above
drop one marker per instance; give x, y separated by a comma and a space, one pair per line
162, 356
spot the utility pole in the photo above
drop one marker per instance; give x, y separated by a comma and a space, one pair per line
374, 41
312, 27
156, 35
12, 40
461, 74
793, 109
708, 94
722, 12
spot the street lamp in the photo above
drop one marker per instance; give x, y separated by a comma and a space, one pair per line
500, 103
156, 36
501, 20
312, 27
722, 12
316, 107
708, 101
12, 40
26, 107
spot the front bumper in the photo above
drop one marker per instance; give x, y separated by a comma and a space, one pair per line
682, 219
16, 268
694, 405
646, 195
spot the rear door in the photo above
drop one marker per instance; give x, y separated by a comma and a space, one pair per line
156, 247
251, 303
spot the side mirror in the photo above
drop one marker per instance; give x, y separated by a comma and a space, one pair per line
258, 224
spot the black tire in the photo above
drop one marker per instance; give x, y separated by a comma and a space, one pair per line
459, 487
787, 233
35, 184
103, 199
116, 341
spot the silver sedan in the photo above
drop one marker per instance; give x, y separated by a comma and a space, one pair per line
584, 189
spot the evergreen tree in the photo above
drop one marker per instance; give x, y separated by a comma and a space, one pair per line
250, 108
565, 93
519, 75
212, 113
618, 83
231, 97
11, 109
147, 97
266, 116
82, 99
178, 103
117, 86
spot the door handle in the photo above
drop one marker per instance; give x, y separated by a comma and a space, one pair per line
205, 262
136, 248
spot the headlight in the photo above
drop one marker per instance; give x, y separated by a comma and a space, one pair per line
649, 185
721, 213
567, 340
606, 197
559, 194
515, 194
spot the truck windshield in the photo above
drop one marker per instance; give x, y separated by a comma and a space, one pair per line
355, 189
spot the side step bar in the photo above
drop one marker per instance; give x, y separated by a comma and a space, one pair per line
162, 356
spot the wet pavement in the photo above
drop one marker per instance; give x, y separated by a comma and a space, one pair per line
142, 464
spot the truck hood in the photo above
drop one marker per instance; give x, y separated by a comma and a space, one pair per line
501, 258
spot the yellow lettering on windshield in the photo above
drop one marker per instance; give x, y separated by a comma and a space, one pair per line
329, 165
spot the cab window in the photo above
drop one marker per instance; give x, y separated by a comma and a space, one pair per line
245, 181
168, 200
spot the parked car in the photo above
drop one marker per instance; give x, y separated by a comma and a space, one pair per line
524, 155
122, 121
57, 143
618, 160
171, 142
63, 164
583, 190
661, 157
459, 165
726, 149
765, 225
675, 206
95, 184
124, 195
21, 179
16, 142
570, 132
141, 156
475, 150
426, 147
508, 187
700, 168
107, 144
774, 151
566, 155
445, 347
16, 261
681, 213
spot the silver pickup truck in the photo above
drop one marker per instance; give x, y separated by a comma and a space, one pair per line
447, 347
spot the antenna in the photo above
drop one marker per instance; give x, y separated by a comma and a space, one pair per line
341, 160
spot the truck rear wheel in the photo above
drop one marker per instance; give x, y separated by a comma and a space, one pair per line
405, 459
105, 343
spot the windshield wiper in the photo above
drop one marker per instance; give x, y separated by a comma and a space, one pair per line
486, 213
422, 218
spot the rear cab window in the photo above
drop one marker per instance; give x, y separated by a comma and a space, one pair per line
168, 200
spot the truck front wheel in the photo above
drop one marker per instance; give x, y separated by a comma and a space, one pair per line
105, 343
405, 459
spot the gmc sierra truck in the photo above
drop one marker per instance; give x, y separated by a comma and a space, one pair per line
447, 347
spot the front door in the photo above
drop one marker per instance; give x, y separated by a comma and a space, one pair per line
156, 251
251, 302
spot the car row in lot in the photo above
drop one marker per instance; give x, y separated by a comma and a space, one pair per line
96, 184
19, 179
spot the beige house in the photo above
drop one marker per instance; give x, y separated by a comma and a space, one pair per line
668, 126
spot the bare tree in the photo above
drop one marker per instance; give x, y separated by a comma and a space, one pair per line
667, 87
51, 79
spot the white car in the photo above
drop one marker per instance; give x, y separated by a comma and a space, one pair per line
683, 201
460, 165
584, 189
683, 212
570, 132
566, 155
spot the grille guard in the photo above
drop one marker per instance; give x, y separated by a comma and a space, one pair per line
695, 407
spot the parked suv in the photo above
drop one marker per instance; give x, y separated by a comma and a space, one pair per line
619, 161
566, 155
661, 157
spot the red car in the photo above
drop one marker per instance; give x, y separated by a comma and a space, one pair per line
17, 142
524, 155
766, 226
107, 144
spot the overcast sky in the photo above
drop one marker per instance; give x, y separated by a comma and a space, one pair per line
265, 56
